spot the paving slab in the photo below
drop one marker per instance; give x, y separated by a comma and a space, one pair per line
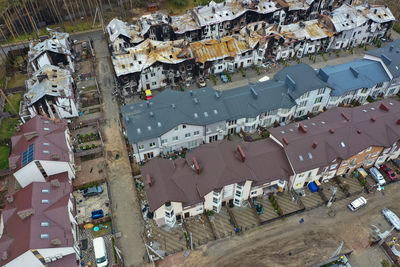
222, 223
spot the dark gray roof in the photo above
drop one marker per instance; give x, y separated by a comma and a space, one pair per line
220, 164
201, 107
300, 78
349, 136
390, 55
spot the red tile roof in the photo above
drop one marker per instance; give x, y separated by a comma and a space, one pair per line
46, 135
20, 235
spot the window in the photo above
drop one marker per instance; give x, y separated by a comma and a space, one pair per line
176, 128
154, 83
318, 100
147, 77
140, 147
386, 150
233, 122
321, 91
378, 85
44, 224
183, 126
375, 154
215, 200
253, 193
239, 187
152, 74
364, 90
152, 144
333, 166
175, 138
326, 169
199, 209
164, 141
187, 135
315, 109
249, 61
305, 95
302, 104
208, 130
238, 193
237, 201
216, 194
368, 149
362, 151
345, 163
196, 133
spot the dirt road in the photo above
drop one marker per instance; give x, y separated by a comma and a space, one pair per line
127, 217
289, 243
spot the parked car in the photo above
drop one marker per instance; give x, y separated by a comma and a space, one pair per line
357, 203
92, 191
377, 176
201, 82
224, 78
392, 218
388, 171
100, 252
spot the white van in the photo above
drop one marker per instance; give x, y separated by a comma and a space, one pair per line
377, 176
358, 203
100, 252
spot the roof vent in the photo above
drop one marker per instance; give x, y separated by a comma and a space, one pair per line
358, 131
391, 48
398, 122
55, 242
302, 128
4, 256
148, 180
30, 135
373, 119
254, 92
55, 157
23, 214
314, 145
344, 115
241, 152
331, 130
284, 139
55, 183
17, 128
196, 165
195, 100
384, 107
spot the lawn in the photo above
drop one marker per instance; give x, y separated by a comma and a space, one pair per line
4, 155
7, 127
89, 88
17, 80
103, 231
15, 99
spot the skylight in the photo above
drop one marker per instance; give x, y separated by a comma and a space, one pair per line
46, 129
342, 144
282, 132
364, 110
45, 201
44, 224
322, 122
44, 236
215, 111
27, 156
159, 124
205, 114
309, 155
46, 152
149, 128
196, 115
301, 158
313, 123
372, 108
139, 131
45, 190
46, 144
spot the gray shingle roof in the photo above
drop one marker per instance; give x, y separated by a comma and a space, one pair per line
300, 78
171, 108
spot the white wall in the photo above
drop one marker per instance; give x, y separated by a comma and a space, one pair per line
28, 174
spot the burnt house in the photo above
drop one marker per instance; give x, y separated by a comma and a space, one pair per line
157, 26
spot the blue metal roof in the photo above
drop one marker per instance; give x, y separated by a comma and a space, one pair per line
390, 55
353, 75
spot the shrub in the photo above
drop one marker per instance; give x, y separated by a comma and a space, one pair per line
213, 79
115, 252
93, 146
180, 2
370, 99
396, 27
228, 76
87, 147
81, 147
363, 182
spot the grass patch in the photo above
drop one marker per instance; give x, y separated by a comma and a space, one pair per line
89, 88
17, 80
15, 99
103, 231
7, 127
4, 155
175, 9
396, 27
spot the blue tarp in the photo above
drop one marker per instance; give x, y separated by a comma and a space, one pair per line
313, 187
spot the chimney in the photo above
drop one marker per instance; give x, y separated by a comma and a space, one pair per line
398, 122
4, 256
55, 183
242, 155
373, 119
376, 10
314, 145
384, 107
302, 128
345, 116
55, 157
10, 198
358, 131
17, 128
148, 180
23, 214
284, 139
196, 165
331, 130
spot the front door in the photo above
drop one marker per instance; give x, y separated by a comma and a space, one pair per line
148, 86
187, 214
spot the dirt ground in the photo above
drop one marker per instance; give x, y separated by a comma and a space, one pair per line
289, 243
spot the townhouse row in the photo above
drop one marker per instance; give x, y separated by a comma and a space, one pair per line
151, 63
175, 120
211, 176
50, 87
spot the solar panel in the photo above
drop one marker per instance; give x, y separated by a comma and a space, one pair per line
27, 156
